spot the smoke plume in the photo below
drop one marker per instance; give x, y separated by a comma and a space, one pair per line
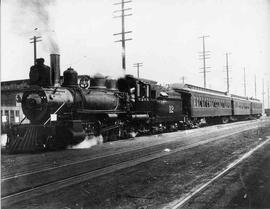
33, 18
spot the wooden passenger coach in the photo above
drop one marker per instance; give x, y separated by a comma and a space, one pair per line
201, 103
211, 105
241, 106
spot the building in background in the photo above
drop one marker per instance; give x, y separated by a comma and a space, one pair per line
11, 110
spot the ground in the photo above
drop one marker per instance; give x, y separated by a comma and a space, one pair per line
158, 183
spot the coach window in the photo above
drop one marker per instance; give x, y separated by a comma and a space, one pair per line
203, 102
138, 90
143, 91
222, 104
147, 91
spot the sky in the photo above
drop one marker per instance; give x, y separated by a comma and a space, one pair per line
165, 38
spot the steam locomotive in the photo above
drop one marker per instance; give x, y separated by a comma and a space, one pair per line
65, 114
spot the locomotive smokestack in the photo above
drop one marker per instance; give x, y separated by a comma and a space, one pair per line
55, 68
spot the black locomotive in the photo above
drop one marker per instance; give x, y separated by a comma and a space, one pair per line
65, 114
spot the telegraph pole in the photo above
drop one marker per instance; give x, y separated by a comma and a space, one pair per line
183, 79
255, 85
35, 40
263, 93
245, 85
138, 65
227, 72
203, 56
268, 95
123, 33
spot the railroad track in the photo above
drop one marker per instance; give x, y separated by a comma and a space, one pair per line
182, 202
126, 145
16, 188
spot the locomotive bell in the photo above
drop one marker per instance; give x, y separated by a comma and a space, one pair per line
70, 77
98, 81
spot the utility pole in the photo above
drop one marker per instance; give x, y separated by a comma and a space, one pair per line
263, 93
245, 85
203, 56
138, 65
255, 85
227, 71
268, 94
35, 40
183, 79
123, 33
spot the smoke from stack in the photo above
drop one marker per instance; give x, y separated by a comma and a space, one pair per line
33, 18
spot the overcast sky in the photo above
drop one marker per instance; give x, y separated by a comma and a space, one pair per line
165, 39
